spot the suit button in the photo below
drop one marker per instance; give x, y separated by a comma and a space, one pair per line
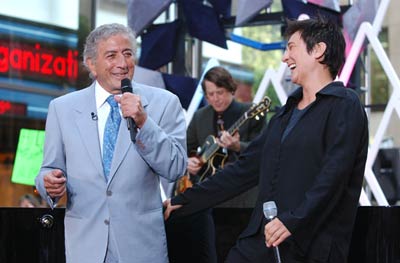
107, 222
109, 193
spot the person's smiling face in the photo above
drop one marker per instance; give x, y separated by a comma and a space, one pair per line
218, 97
115, 61
299, 61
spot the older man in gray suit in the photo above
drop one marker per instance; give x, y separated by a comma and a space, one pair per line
114, 207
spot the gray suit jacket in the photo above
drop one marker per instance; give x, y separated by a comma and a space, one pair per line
129, 205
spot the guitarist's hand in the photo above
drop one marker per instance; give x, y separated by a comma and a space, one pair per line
230, 142
194, 165
169, 208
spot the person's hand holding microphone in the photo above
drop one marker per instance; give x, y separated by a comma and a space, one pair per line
275, 231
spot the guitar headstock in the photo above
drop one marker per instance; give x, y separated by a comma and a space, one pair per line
258, 109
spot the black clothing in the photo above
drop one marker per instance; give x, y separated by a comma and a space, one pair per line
314, 176
192, 239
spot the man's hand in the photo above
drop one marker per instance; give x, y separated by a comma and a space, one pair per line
194, 165
54, 182
275, 233
169, 208
131, 106
230, 142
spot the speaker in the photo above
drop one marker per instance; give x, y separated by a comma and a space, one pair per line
34, 235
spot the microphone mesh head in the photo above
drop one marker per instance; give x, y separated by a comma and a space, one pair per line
125, 82
270, 209
126, 85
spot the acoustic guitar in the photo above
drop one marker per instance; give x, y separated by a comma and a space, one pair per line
210, 155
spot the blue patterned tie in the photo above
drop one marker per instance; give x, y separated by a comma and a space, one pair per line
110, 134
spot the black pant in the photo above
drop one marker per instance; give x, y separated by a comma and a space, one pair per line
192, 239
253, 250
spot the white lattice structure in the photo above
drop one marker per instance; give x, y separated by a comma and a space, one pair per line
371, 32
275, 78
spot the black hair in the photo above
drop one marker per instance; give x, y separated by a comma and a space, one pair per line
221, 78
316, 30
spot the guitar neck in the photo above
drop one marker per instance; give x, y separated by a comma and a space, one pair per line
237, 124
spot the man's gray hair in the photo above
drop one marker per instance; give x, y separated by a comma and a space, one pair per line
104, 32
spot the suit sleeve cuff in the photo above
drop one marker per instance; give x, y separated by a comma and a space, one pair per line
52, 201
179, 200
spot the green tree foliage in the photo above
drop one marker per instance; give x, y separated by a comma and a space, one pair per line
260, 61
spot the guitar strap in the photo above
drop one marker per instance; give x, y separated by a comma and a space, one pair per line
220, 124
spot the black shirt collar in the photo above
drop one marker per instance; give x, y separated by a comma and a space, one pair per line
335, 88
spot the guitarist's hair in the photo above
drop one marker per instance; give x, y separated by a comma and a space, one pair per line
221, 78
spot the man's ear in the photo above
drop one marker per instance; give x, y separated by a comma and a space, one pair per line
319, 50
91, 66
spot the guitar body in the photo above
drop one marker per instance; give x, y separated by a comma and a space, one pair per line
211, 157
215, 163
209, 165
183, 183
209, 147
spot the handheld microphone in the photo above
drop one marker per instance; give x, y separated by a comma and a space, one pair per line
126, 86
270, 212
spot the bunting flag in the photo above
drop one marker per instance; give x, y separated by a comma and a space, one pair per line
356, 15
142, 13
183, 87
247, 9
203, 23
158, 45
333, 5
293, 9
222, 7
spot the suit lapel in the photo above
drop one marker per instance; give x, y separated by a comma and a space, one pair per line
121, 148
87, 127
124, 139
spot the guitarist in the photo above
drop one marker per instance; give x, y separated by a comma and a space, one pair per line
215, 119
